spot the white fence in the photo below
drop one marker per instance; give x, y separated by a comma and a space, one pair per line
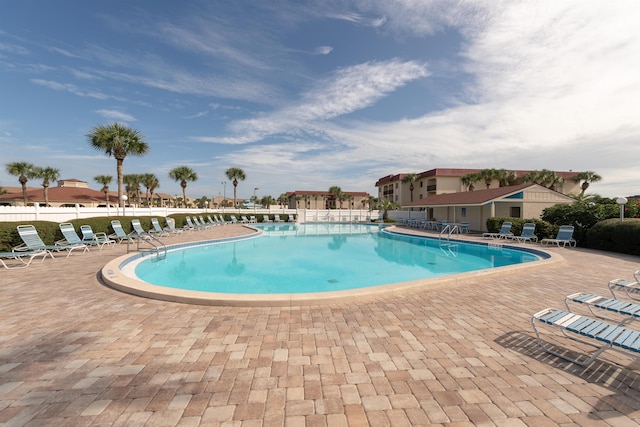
41, 213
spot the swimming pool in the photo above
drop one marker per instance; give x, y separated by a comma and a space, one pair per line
318, 258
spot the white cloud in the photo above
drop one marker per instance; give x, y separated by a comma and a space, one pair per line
68, 87
323, 50
116, 115
349, 89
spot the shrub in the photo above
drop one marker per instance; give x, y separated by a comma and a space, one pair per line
613, 235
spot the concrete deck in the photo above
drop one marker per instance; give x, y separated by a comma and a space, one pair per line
75, 352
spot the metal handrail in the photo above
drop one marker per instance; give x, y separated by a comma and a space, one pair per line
159, 248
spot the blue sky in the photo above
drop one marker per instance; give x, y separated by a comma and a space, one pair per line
304, 95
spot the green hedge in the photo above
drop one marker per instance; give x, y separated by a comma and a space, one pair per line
544, 229
615, 236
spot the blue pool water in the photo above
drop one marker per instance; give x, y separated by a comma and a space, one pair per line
318, 258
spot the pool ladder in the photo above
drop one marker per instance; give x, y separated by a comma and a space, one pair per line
446, 246
157, 246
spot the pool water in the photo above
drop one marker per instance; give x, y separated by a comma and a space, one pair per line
304, 258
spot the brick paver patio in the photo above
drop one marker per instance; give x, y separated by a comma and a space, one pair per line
74, 352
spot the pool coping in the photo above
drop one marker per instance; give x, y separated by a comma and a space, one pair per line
114, 277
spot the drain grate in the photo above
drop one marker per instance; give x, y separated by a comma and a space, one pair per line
332, 280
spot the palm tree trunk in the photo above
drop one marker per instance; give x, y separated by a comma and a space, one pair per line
120, 181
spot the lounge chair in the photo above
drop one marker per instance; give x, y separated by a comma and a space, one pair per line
220, 220
32, 242
253, 219
118, 232
564, 237
21, 256
234, 220
171, 226
191, 225
290, 218
156, 229
631, 288
208, 221
206, 224
244, 219
629, 310
528, 233
265, 218
71, 238
276, 218
138, 231
505, 232
98, 239
598, 333
464, 227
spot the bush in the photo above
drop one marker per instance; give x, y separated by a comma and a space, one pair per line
613, 235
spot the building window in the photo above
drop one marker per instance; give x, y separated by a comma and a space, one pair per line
515, 212
463, 212
420, 184
396, 185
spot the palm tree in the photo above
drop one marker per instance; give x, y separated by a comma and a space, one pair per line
587, 177
105, 180
183, 174
150, 182
469, 179
235, 175
119, 141
47, 175
487, 175
336, 192
132, 185
410, 178
504, 177
267, 201
385, 205
23, 171
283, 199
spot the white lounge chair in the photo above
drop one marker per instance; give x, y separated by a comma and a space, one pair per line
598, 333
265, 218
71, 238
32, 242
98, 239
564, 237
528, 233
505, 232
119, 235
171, 226
631, 288
156, 229
24, 258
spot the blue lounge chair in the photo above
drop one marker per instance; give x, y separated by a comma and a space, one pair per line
528, 233
234, 220
138, 231
20, 257
631, 288
156, 229
564, 237
244, 219
598, 333
98, 239
171, 226
626, 310
71, 238
505, 232
190, 224
32, 242
118, 232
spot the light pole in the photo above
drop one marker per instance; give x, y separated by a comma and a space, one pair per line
254, 199
224, 196
621, 201
124, 202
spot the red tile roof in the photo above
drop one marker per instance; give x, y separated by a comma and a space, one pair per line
478, 197
61, 195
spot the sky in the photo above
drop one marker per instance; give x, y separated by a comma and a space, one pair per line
305, 95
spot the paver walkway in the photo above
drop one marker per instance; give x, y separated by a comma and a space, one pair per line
74, 352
